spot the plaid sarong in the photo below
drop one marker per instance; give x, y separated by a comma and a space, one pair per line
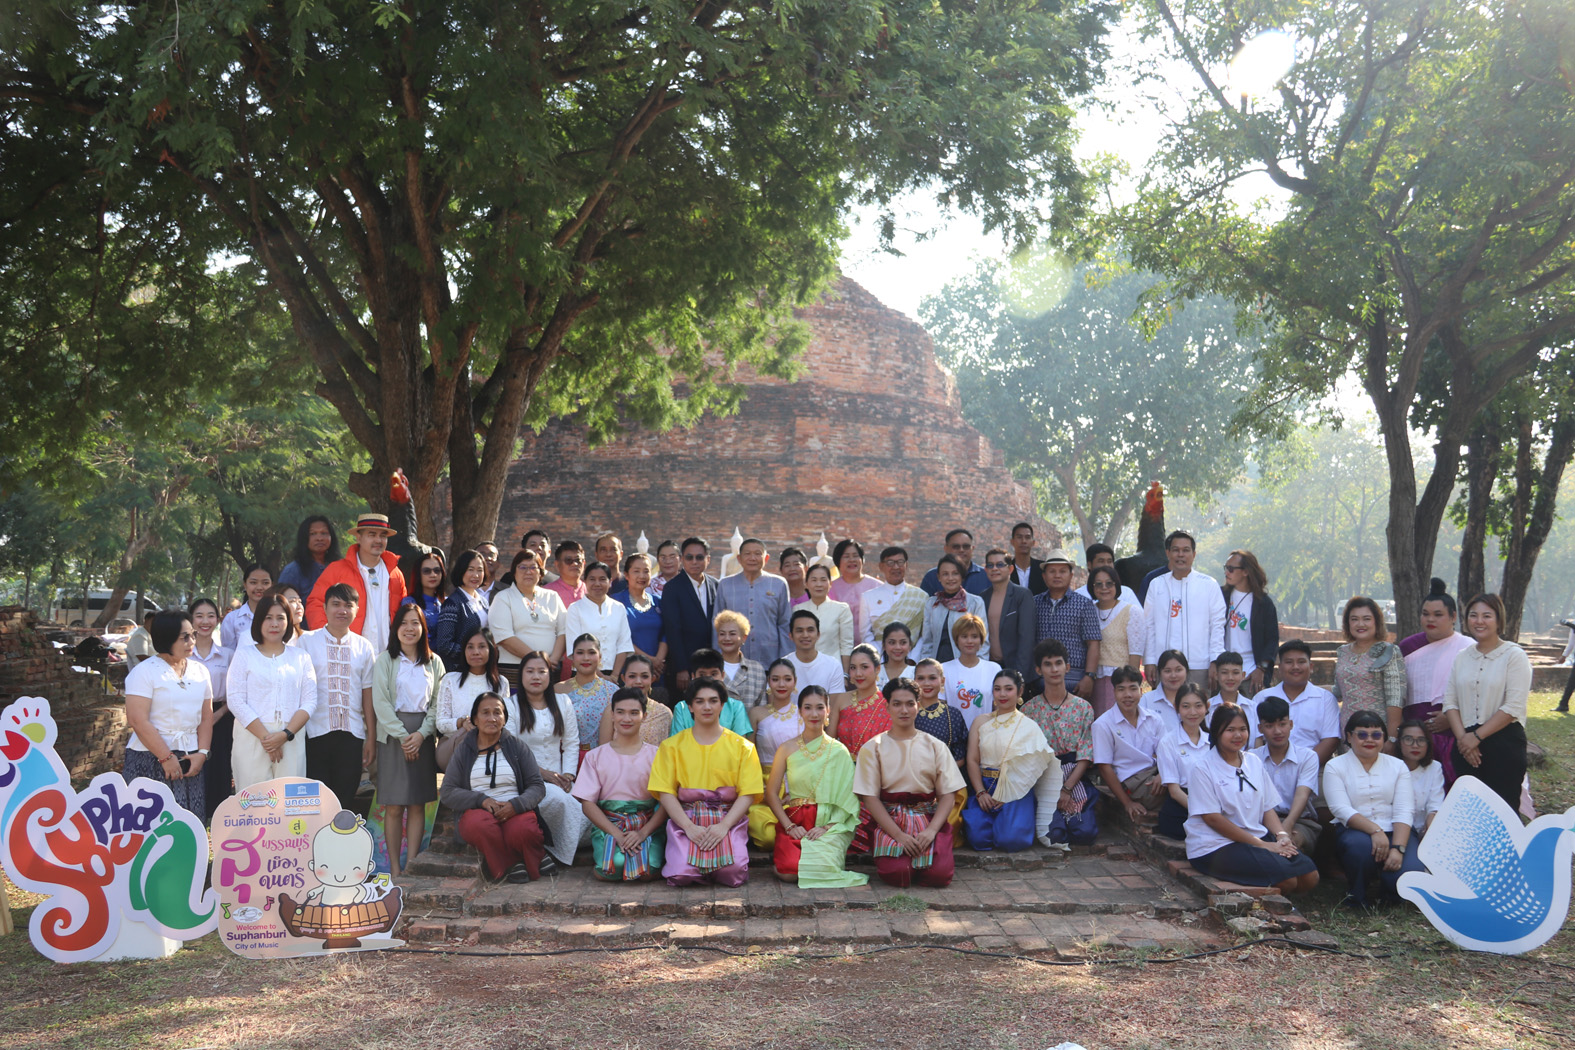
912, 814
612, 861
704, 813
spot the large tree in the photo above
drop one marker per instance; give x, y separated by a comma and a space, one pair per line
1083, 390
1423, 157
481, 216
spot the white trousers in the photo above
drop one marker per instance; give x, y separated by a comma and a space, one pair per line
252, 765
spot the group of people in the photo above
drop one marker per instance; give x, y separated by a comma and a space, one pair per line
668, 718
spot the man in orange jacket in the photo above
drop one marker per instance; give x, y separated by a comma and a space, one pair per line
373, 572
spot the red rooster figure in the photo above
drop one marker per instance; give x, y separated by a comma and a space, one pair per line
1150, 541
402, 518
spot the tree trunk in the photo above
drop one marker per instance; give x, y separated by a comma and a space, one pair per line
1535, 509
1482, 464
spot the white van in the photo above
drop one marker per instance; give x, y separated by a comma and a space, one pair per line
69, 611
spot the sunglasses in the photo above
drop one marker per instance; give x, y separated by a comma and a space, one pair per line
1368, 734
1232, 568
431, 570
694, 557
995, 565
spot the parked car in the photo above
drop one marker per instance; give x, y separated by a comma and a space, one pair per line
70, 612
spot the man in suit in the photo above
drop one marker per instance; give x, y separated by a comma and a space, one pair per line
1010, 615
1027, 570
688, 604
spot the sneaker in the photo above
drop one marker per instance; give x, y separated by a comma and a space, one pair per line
517, 874
548, 865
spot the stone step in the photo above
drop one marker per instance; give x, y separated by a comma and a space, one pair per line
432, 864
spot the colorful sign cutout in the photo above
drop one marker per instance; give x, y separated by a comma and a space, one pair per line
296, 874
122, 864
1493, 884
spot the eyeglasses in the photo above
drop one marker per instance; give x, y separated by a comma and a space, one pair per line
1368, 734
571, 560
186, 636
1419, 741
1232, 568
995, 565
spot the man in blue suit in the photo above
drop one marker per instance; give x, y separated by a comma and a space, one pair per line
688, 604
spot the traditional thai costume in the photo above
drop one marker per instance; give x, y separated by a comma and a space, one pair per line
1013, 755
620, 785
707, 779
1427, 674
819, 784
908, 776
773, 730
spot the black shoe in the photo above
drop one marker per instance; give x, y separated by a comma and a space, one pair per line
548, 866
1562, 709
517, 874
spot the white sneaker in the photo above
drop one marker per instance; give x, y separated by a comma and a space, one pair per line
1062, 847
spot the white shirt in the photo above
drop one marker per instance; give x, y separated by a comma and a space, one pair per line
218, 665
412, 691
700, 595
1238, 628
1427, 793
538, 622
374, 628
879, 599
1242, 796
271, 689
1178, 753
344, 669
1299, 769
235, 630
1315, 712
970, 690
176, 707
608, 623
498, 785
455, 699
1131, 749
1186, 614
1155, 703
1481, 685
554, 753
1381, 794
826, 672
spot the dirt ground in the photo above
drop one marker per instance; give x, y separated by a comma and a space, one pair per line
674, 998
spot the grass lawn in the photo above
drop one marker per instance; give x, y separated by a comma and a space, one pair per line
1405, 989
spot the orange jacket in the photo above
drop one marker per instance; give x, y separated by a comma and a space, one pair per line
348, 570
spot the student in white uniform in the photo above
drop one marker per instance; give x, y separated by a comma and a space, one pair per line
1294, 770
1177, 753
1233, 830
1427, 778
1313, 708
1161, 701
1126, 746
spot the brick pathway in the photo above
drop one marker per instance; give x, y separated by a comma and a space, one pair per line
1034, 901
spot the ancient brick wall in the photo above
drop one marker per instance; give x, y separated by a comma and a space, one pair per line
869, 442
91, 720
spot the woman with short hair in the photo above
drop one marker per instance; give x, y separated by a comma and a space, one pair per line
644, 611
1122, 629
526, 618
1369, 795
169, 707
1369, 672
836, 619
492, 786
464, 610
1485, 702
949, 604
1427, 669
272, 689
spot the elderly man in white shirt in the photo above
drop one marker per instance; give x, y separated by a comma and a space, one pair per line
1185, 610
894, 599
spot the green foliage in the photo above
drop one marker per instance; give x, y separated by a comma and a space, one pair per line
1055, 369
480, 216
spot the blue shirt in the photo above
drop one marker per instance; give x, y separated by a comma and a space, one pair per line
1073, 621
976, 582
303, 580
645, 628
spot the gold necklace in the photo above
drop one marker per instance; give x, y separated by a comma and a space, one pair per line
804, 746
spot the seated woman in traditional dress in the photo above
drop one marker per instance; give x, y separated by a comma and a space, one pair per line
493, 786
942, 721
705, 777
1007, 754
550, 730
896, 643
908, 782
613, 786
1233, 827
639, 672
859, 713
776, 722
815, 824
586, 689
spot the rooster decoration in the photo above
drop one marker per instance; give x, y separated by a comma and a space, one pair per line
402, 519
1150, 541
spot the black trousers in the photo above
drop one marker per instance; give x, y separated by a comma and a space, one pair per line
219, 779
335, 759
1503, 763
1569, 688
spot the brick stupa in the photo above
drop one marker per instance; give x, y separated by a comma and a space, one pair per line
868, 442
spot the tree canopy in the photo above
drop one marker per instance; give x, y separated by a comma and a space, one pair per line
484, 216
1424, 161
1091, 397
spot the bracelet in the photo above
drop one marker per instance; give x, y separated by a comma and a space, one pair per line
1282, 834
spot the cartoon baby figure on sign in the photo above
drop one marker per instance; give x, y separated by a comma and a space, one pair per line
346, 906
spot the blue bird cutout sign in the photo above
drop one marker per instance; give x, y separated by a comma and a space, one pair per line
1493, 884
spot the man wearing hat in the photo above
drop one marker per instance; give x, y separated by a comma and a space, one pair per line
373, 571
1070, 619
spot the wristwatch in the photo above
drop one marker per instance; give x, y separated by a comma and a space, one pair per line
287, 734
203, 752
